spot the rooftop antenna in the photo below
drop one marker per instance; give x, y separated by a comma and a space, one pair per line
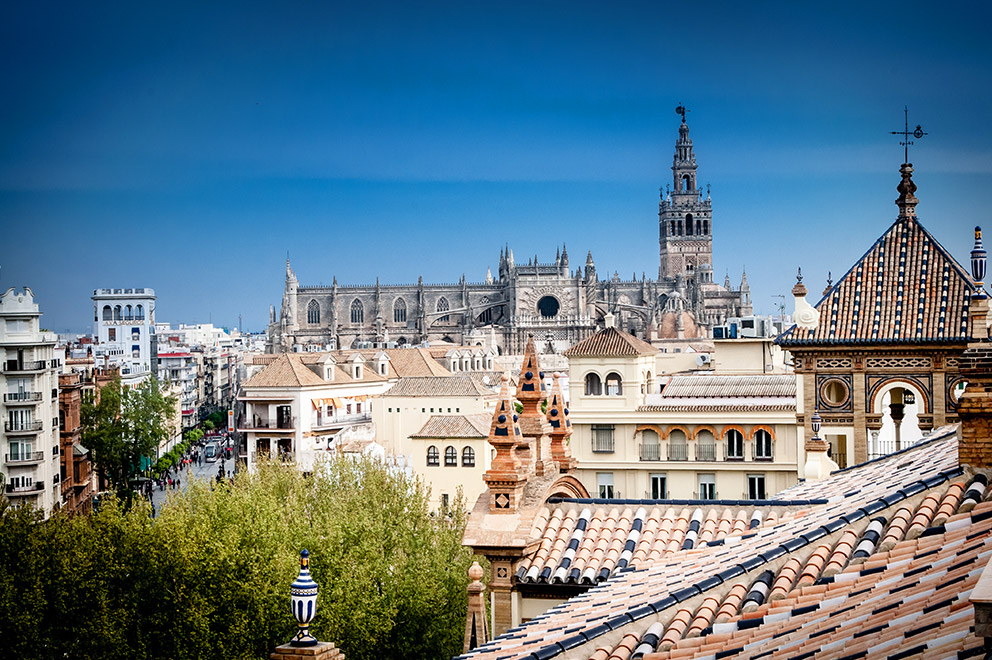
906, 134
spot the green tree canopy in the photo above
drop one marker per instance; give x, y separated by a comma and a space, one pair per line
209, 578
124, 425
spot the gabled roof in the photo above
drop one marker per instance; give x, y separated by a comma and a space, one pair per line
455, 385
882, 568
610, 342
287, 370
907, 288
455, 426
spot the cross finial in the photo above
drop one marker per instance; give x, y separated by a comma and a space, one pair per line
906, 134
681, 110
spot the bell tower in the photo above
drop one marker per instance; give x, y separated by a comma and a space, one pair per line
685, 219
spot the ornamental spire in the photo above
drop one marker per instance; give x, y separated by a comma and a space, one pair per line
906, 201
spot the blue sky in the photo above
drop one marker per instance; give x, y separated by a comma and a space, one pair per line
189, 147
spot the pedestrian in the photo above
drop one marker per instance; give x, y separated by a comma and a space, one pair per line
177, 484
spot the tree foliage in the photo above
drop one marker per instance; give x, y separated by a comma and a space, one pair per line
122, 425
209, 578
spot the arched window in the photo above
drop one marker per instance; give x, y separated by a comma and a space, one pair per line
678, 226
401, 341
128, 313
468, 457
313, 312
108, 314
442, 306
117, 313
650, 446
690, 227
671, 230
594, 386
735, 445
139, 313
450, 456
357, 311
762, 445
687, 183
705, 446
614, 384
706, 227
399, 311
433, 457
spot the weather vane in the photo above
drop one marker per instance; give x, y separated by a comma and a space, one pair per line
681, 110
906, 134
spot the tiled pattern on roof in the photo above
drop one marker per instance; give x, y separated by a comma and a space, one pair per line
710, 386
438, 386
735, 571
906, 288
610, 342
287, 370
584, 543
455, 426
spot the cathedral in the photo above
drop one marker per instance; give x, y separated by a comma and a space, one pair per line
557, 304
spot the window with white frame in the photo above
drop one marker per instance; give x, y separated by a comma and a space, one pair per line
763, 445
707, 486
604, 481
659, 486
735, 445
756, 486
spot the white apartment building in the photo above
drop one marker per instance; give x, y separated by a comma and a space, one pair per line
29, 382
181, 368
123, 325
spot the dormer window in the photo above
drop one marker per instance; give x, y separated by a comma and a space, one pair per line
357, 372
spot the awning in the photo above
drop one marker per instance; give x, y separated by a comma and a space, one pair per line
337, 402
317, 403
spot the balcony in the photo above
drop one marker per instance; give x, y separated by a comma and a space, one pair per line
706, 452
650, 452
19, 491
24, 458
285, 426
13, 366
678, 451
23, 427
336, 420
22, 397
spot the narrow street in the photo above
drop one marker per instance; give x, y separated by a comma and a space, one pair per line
206, 472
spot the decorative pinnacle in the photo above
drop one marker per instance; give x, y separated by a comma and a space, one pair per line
978, 263
907, 201
681, 111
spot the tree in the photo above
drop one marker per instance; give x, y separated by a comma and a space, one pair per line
209, 577
207, 424
122, 425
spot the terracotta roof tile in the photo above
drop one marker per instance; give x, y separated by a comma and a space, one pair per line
430, 386
891, 601
906, 289
455, 426
610, 342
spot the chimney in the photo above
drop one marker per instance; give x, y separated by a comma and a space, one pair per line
974, 406
609, 320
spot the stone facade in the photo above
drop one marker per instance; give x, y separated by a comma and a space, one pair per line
559, 305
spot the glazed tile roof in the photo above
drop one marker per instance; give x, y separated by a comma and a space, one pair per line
587, 541
882, 569
456, 426
906, 289
610, 342
454, 385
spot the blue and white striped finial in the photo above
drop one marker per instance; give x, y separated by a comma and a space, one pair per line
303, 598
978, 259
